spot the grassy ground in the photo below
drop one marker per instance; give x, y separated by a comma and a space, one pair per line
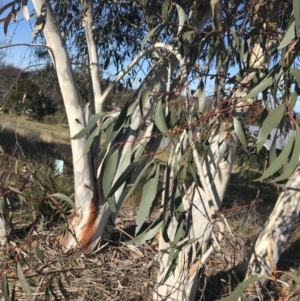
117, 271
49, 133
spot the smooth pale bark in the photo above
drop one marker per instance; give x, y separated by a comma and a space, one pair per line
85, 195
182, 283
270, 242
104, 217
104, 221
4, 225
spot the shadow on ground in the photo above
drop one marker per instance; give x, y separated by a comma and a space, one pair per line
31, 148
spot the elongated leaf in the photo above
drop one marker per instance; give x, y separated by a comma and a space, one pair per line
61, 288
235, 37
41, 20
148, 36
294, 158
93, 120
293, 98
143, 99
25, 9
5, 289
239, 289
270, 123
148, 196
109, 172
296, 7
279, 161
292, 275
181, 17
137, 180
125, 176
165, 11
8, 18
201, 97
39, 253
187, 34
296, 74
159, 118
272, 153
90, 140
64, 198
6, 6
265, 83
240, 132
142, 238
23, 280
289, 36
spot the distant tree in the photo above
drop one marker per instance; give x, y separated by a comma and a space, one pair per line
27, 98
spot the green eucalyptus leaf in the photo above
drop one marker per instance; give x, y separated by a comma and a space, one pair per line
165, 11
93, 120
272, 120
296, 8
264, 84
112, 204
181, 17
64, 198
236, 294
240, 132
149, 192
149, 35
159, 118
23, 280
296, 74
273, 153
109, 172
201, 97
125, 176
39, 253
293, 160
143, 237
187, 34
289, 36
122, 117
4, 287
90, 140
137, 180
293, 276
293, 97
279, 161
143, 99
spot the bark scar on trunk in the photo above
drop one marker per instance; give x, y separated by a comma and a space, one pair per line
194, 269
90, 226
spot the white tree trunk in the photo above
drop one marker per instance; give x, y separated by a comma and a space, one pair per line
203, 206
270, 242
85, 197
4, 225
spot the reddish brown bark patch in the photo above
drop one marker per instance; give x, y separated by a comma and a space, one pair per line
87, 234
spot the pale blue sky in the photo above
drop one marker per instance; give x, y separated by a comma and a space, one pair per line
18, 32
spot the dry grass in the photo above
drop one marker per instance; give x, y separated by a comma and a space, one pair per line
119, 271
47, 132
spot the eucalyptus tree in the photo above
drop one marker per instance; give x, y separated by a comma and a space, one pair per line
189, 40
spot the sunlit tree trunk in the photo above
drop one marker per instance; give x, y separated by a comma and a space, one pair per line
85, 194
271, 240
206, 203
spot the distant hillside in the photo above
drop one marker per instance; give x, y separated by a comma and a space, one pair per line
8, 75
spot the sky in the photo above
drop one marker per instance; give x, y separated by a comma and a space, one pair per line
18, 32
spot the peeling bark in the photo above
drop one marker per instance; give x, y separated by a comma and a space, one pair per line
270, 242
